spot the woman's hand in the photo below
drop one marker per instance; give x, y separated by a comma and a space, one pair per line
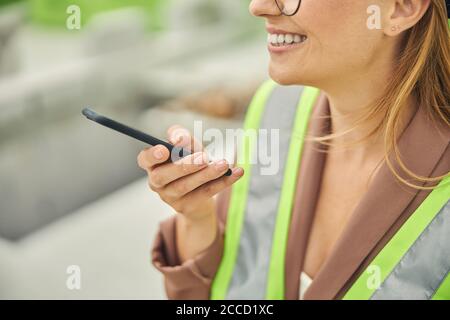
189, 184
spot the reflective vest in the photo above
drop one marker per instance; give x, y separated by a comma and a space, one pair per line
414, 264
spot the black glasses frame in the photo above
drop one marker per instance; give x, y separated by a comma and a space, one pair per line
282, 9
447, 2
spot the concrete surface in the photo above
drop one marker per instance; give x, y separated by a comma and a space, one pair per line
109, 240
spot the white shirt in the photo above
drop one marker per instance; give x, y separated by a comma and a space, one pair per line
305, 282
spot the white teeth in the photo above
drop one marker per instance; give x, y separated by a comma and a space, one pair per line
273, 38
281, 38
285, 39
289, 38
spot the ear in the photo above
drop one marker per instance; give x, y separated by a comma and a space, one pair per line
404, 14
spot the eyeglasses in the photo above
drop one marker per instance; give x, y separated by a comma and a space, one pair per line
288, 7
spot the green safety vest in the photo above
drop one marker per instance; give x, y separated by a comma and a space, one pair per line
414, 264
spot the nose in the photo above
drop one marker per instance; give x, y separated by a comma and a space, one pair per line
261, 8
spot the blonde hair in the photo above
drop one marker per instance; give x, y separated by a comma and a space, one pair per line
422, 71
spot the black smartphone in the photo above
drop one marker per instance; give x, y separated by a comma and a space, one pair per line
176, 152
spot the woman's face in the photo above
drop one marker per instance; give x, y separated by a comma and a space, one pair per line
338, 43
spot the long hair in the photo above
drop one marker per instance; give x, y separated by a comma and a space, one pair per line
422, 71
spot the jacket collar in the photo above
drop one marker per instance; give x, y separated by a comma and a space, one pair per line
422, 146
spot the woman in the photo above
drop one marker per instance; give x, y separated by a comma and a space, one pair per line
365, 219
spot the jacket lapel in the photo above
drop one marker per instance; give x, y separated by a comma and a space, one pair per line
421, 146
308, 186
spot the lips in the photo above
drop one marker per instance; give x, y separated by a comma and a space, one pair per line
275, 30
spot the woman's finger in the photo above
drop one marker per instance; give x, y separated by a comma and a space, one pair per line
207, 191
181, 187
181, 137
150, 157
166, 173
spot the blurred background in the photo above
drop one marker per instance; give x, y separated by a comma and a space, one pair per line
70, 191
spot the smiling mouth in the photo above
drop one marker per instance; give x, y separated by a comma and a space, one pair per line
280, 40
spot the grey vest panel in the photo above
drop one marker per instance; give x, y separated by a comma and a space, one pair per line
422, 269
249, 279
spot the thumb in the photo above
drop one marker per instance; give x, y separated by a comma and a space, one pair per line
181, 137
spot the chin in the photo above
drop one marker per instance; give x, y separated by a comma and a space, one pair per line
286, 76
282, 77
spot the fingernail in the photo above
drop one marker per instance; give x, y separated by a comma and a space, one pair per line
238, 172
221, 165
177, 138
158, 154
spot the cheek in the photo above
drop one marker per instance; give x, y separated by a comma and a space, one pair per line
323, 15
336, 27
338, 42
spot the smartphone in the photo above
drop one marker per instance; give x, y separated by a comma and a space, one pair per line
176, 152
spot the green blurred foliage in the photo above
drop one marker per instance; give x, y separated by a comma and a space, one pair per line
53, 12
3, 2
